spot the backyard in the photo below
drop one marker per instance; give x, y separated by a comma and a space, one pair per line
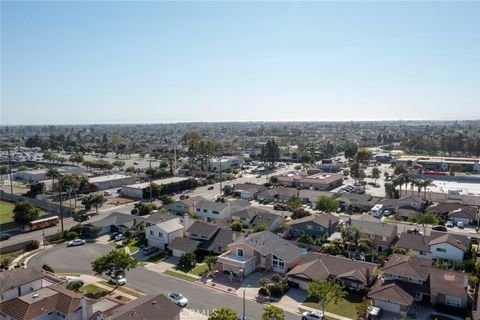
345, 307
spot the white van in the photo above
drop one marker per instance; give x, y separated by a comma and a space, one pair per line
377, 210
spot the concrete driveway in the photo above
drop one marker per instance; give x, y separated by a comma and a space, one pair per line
71, 259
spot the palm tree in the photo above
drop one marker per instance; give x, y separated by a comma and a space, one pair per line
427, 183
364, 245
54, 174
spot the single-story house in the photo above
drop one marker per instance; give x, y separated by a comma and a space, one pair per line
184, 206
180, 246
116, 222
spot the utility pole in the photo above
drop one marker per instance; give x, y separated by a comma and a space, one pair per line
220, 167
61, 206
150, 176
10, 169
174, 151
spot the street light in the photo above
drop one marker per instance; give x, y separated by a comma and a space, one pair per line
244, 317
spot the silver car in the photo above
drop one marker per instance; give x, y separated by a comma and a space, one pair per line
178, 298
312, 315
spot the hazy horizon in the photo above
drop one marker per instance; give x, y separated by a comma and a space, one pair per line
174, 62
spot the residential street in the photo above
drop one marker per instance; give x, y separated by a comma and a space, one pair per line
202, 299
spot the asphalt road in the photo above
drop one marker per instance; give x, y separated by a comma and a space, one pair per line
202, 299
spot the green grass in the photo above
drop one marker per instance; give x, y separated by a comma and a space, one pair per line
122, 289
68, 274
6, 215
157, 258
345, 307
135, 245
93, 291
200, 269
180, 275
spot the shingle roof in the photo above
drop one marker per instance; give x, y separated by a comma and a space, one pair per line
448, 282
323, 219
266, 218
212, 205
412, 241
170, 226
192, 200
407, 266
220, 240
391, 292
116, 219
159, 217
201, 228
321, 266
376, 228
184, 244
458, 241
267, 242
16, 277
147, 307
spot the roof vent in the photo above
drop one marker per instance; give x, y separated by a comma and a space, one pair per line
35, 295
154, 302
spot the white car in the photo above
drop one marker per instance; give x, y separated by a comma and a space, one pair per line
120, 280
178, 298
311, 315
76, 242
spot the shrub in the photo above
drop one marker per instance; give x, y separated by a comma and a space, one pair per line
277, 290
236, 226
74, 285
32, 245
276, 278
263, 292
69, 235
187, 262
46, 267
6, 262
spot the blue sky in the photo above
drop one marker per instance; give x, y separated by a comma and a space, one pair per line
120, 62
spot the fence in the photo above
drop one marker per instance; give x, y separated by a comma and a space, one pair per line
51, 208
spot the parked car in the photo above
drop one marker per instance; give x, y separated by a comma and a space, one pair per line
119, 237
449, 224
280, 207
149, 250
358, 256
312, 315
210, 188
178, 299
120, 280
460, 224
386, 213
5, 236
107, 193
76, 242
375, 313
113, 235
413, 230
440, 228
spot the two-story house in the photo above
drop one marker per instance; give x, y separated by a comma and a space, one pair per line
161, 229
211, 238
279, 194
354, 202
438, 245
456, 212
210, 210
310, 197
185, 206
353, 274
18, 282
407, 279
382, 235
315, 225
248, 191
405, 207
259, 251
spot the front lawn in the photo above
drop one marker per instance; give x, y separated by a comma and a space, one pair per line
157, 258
180, 275
200, 269
122, 289
135, 245
345, 307
93, 291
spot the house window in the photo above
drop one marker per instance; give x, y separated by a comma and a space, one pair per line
278, 263
453, 301
239, 252
383, 238
151, 232
198, 209
309, 227
215, 212
160, 235
205, 210
441, 250
320, 228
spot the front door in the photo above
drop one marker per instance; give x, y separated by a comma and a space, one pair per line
263, 260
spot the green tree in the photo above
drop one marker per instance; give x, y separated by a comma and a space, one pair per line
76, 158
425, 219
22, 168
143, 209
270, 151
376, 174
36, 188
325, 291
4, 169
304, 238
294, 204
399, 169
273, 313
93, 201
363, 308
114, 264
211, 262
24, 213
326, 204
259, 228
118, 163
274, 180
131, 170
223, 314
236, 226
53, 174
350, 149
363, 155
300, 213
186, 262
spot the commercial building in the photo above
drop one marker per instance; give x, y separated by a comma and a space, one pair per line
41, 174
138, 190
111, 181
439, 163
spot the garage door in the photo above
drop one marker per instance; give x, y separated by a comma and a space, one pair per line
393, 307
177, 253
250, 268
302, 284
465, 221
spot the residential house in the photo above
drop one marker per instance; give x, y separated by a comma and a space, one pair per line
248, 191
253, 216
53, 302
455, 211
184, 206
116, 222
407, 279
383, 235
315, 225
161, 229
259, 251
279, 194
181, 246
18, 282
151, 306
210, 210
354, 202
310, 197
405, 207
353, 274
212, 238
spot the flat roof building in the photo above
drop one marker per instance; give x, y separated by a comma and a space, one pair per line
136, 191
111, 181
